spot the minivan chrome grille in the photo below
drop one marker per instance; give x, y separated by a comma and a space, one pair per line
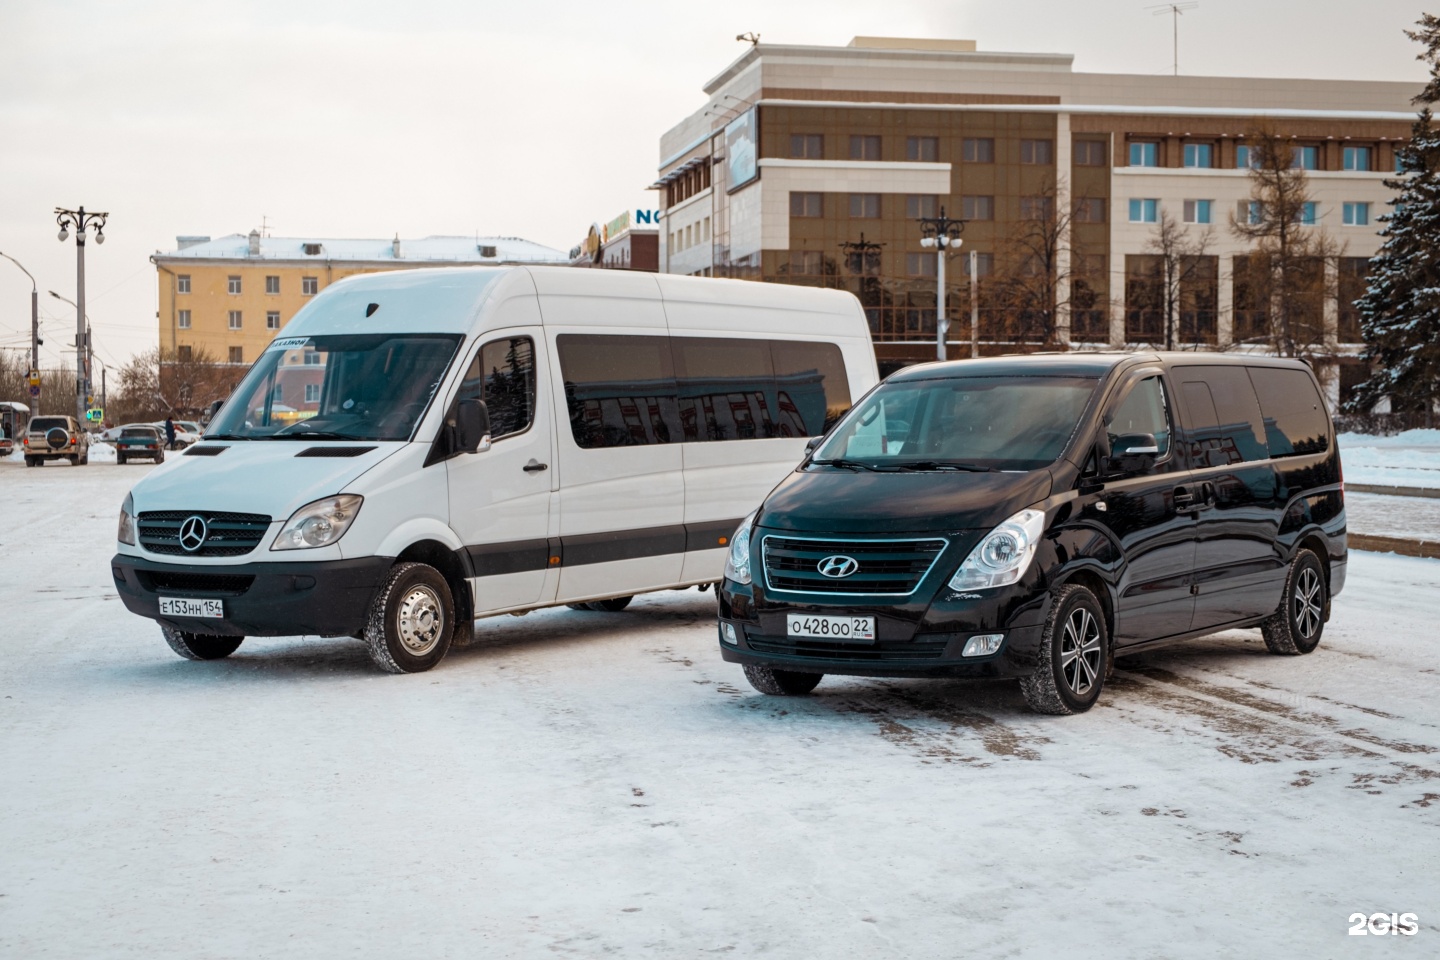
227, 534
889, 568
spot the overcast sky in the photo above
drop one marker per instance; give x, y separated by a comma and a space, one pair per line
356, 118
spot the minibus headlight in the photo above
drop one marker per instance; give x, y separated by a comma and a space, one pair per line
737, 561
318, 524
1004, 555
126, 533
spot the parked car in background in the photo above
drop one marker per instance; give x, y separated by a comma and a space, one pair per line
139, 440
56, 438
7, 446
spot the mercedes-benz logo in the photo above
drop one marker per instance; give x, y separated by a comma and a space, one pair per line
837, 566
193, 533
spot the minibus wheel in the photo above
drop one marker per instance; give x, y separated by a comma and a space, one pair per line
198, 646
613, 605
1296, 627
781, 683
1073, 657
412, 619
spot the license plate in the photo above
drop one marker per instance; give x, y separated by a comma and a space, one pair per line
185, 607
843, 629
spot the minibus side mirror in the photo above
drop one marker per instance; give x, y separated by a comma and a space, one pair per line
811, 444
1133, 452
472, 426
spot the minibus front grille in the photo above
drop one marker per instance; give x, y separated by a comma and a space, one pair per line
921, 648
887, 568
226, 534
230, 585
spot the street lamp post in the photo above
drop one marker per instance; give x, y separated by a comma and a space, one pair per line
34, 314
942, 233
80, 220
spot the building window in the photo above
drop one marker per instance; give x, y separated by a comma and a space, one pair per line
865, 206
1351, 283
312, 393
237, 354
922, 149
1037, 208
1356, 158
977, 208
1090, 153
1197, 211
1356, 214
184, 353
234, 319
272, 320
309, 286
807, 205
1308, 213
707, 229
864, 148
1306, 158
182, 283
920, 264
1144, 153
184, 321
234, 284
277, 393
919, 205
1144, 211
1199, 155
977, 150
272, 284
1247, 158
1250, 212
1037, 151
807, 263
1090, 210
984, 264
312, 357
807, 146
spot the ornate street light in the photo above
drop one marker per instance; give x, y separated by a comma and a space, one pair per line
80, 221
943, 234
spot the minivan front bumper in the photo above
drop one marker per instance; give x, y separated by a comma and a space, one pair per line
326, 598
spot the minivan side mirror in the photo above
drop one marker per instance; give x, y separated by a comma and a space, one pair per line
472, 426
811, 444
1133, 452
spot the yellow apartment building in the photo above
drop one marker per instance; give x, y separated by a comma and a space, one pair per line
230, 296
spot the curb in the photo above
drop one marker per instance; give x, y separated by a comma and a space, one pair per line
1401, 545
1432, 493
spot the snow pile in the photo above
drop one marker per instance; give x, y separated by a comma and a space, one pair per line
1409, 459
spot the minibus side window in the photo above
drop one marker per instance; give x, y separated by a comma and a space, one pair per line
619, 390
1143, 411
503, 375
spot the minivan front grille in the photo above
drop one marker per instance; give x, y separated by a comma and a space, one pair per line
892, 568
922, 647
226, 534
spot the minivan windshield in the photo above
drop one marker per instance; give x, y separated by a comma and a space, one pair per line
339, 387
960, 423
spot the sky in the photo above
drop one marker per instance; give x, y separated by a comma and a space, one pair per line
368, 119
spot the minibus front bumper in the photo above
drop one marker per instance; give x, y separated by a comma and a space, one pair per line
325, 598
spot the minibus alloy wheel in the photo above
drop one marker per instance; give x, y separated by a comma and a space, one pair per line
1073, 657
199, 646
412, 619
1296, 627
781, 683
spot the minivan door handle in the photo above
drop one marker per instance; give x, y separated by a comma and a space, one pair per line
535, 466
1184, 499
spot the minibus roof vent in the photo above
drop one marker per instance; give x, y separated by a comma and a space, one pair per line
334, 451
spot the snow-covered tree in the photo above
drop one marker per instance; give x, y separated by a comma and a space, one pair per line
1400, 310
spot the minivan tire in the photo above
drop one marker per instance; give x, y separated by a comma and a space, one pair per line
198, 646
412, 620
1296, 627
781, 683
1073, 658
613, 605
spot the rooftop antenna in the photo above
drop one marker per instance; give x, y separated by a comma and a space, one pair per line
264, 225
752, 37
1175, 10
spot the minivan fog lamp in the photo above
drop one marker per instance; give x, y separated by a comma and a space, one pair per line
318, 524
1004, 555
737, 561
983, 645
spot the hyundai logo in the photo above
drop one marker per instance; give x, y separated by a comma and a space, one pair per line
837, 567
193, 533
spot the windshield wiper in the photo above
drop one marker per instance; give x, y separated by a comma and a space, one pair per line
313, 435
225, 436
842, 462
944, 465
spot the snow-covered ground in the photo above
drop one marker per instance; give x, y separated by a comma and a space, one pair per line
1409, 459
1415, 518
588, 784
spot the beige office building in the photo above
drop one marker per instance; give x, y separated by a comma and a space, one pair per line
801, 151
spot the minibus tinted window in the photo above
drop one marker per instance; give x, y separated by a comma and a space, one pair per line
1222, 416
343, 387
1001, 423
503, 375
620, 391
1296, 421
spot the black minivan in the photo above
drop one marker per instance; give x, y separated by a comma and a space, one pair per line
1036, 516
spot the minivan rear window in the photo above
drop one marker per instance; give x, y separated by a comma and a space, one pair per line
1295, 418
1001, 423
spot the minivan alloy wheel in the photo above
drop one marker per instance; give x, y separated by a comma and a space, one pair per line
1080, 652
1306, 599
1298, 622
1072, 657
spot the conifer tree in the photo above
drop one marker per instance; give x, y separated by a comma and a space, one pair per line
1400, 310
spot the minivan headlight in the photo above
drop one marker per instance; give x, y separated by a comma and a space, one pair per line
737, 561
318, 524
1004, 554
126, 533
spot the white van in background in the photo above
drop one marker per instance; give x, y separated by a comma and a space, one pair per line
422, 448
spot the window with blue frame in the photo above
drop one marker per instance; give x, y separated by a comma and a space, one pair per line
1356, 158
1197, 211
1355, 214
1199, 155
1145, 153
1305, 158
1144, 210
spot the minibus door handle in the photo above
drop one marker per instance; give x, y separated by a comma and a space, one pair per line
535, 466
